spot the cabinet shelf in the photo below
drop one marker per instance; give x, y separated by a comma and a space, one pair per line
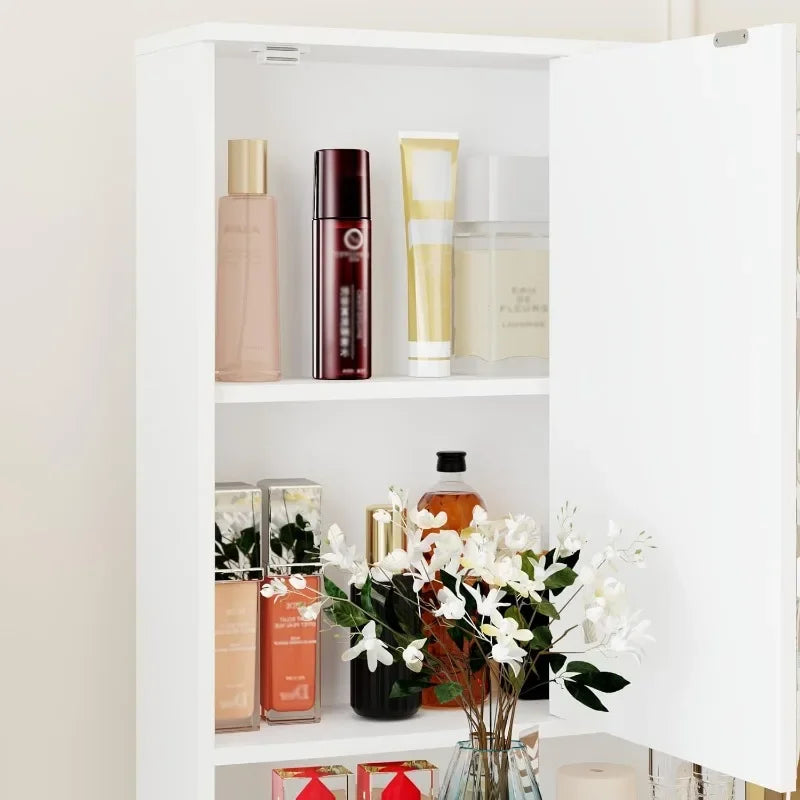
341, 734
384, 388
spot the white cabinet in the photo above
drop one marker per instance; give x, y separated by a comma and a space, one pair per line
671, 397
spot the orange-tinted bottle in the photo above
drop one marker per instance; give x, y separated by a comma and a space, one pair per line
457, 499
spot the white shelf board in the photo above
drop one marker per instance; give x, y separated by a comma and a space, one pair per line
346, 44
342, 733
386, 388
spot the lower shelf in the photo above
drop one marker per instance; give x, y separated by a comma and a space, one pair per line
341, 733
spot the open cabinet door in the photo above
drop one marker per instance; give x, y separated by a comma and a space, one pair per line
673, 377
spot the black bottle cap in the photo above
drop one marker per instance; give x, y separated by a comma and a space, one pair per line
341, 184
451, 461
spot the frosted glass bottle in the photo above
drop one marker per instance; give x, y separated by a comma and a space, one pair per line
501, 267
248, 327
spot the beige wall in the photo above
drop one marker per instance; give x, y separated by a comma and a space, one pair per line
66, 324
717, 15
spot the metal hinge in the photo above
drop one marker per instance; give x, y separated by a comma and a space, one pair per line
280, 54
731, 38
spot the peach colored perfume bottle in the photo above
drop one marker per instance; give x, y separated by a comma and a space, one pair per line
248, 330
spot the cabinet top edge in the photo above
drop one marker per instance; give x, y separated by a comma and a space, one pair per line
479, 44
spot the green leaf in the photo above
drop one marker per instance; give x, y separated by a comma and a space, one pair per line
607, 682
448, 581
548, 609
332, 590
346, 615
561, 579
557, 661
366, 597
581, 667
405, 688
445, 692
405, 606
542, 638
585, 696
457, 635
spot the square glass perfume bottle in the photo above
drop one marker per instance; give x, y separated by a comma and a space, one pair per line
501, 267
290, 647
237, 573
311, 783
397, 780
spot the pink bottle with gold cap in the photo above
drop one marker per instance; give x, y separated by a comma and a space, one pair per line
248, 328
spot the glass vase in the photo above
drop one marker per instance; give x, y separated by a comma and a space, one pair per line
476, 773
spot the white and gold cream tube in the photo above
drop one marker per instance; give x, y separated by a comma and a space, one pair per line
429, 163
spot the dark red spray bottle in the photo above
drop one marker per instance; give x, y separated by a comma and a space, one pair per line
342, 250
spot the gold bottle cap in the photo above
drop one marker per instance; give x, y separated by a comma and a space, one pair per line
247, 166
383, 537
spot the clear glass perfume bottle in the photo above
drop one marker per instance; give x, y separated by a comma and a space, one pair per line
501, 267
248, 330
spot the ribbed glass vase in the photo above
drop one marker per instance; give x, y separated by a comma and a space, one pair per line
488, 774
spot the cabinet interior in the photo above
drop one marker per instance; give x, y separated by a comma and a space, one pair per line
313, 105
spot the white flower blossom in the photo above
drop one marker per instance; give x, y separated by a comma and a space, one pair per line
310, 612
505, 629
630, 636
614, 531
275, 588
425, 520
522, 533
509, 653
541, 572
479, 516
451, 605
413, 656
359, 573
339, 555
488, 605
298, 581
370, 644
391, 564
446, 549
479, 557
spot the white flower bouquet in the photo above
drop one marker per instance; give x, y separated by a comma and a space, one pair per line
481, 602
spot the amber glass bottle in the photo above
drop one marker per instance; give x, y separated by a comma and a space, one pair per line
457, 499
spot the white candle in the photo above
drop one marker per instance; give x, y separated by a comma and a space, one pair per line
596, 782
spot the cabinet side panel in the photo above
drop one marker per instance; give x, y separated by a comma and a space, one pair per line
175, 422
673, 377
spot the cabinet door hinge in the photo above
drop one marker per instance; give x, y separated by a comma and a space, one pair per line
731, 38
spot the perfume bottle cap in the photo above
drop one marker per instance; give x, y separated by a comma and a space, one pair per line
247, 166
341, 184
383, 537
451, 461
503, 189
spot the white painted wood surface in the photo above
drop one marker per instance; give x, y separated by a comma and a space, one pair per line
365, 46
308, 390
175, 423
673, 375
341, 734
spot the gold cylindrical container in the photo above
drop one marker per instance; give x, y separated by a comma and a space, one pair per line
383, 537
247, 166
